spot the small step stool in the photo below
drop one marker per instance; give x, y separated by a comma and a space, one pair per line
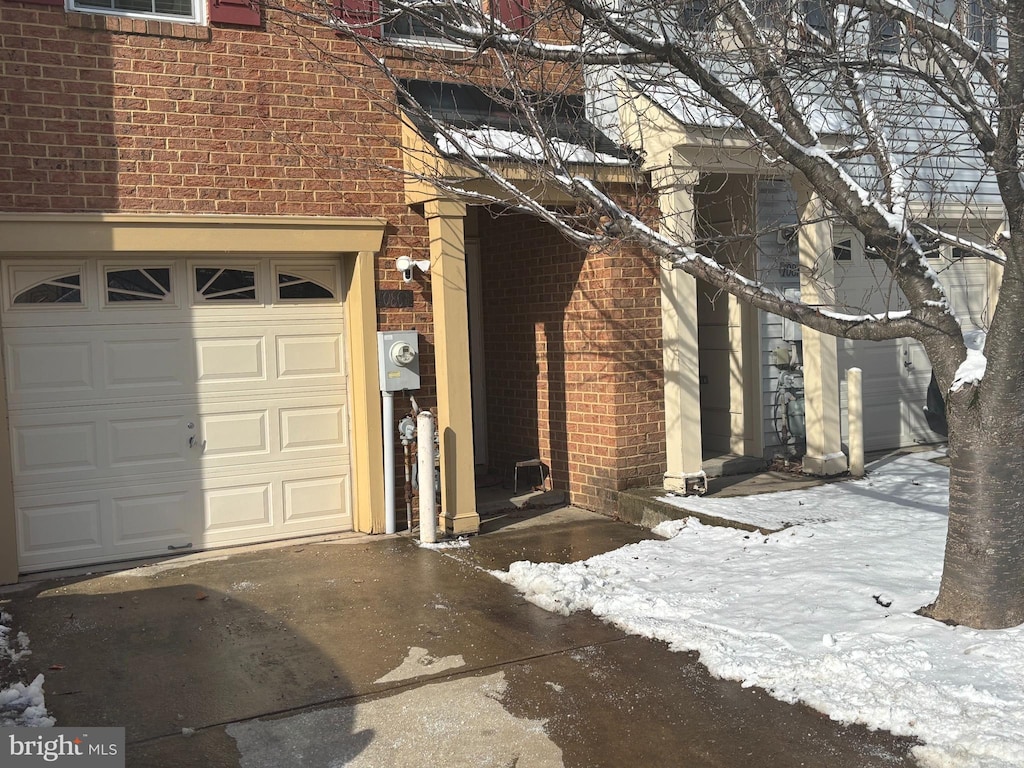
545, 478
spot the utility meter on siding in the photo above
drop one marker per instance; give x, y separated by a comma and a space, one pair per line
398, 353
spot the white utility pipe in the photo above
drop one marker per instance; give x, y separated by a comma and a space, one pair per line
855, 416
389, 462
425, 472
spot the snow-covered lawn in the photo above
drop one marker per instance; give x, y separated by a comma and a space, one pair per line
821, 612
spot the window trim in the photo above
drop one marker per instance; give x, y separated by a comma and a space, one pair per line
198, 17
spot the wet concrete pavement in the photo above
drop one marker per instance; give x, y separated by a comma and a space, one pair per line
375, 652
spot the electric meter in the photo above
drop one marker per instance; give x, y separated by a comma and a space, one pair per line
402, 353
398, 355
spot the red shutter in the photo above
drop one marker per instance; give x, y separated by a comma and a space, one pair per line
243, 12
40, 2
360, 14
515, 13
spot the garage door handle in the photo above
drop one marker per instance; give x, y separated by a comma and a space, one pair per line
180, 546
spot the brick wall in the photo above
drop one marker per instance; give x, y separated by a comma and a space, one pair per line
109, 114
241, 122
573, 351
98, 114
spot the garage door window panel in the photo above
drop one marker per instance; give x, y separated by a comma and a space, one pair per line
292, 287
66, 289
225, 284
151, 284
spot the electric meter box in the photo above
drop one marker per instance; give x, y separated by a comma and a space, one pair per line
398, 357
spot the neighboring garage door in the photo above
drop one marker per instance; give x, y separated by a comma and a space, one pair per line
162, 405
896, 373
895, 376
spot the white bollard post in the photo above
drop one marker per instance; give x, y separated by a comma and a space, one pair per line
425, 470
855, 415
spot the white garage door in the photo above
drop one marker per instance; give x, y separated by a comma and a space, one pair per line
895, 384
162, 405
896, 373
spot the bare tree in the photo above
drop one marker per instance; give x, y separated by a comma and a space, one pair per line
890, 112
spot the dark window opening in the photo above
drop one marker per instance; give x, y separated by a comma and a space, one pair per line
843, 250
139, 284
60, 290
885, 34
217, 284
294, 287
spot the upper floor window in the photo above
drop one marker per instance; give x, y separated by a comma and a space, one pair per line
409, 26
695, 15
428, 22
819, 17
769, 13
842, 250
239, 12
180, 10
982, 22
885, 34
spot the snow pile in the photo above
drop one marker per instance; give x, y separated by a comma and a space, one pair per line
972, 369
820, 613
20, 704
24, 705
12, 650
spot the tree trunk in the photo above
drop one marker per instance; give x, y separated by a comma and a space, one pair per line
983, 574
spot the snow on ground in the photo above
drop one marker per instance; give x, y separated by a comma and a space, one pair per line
821, 612
920, 484
20, 704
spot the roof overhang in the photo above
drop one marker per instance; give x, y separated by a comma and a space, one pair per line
434, 168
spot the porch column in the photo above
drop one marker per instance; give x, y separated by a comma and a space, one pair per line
684, 455
824, 455
368, 513
445, 221
993, 279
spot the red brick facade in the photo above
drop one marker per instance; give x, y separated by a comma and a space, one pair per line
573, 348
103, 114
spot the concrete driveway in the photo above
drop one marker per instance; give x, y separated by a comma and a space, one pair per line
375, 652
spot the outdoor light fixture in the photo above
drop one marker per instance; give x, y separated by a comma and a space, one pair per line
405, 265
